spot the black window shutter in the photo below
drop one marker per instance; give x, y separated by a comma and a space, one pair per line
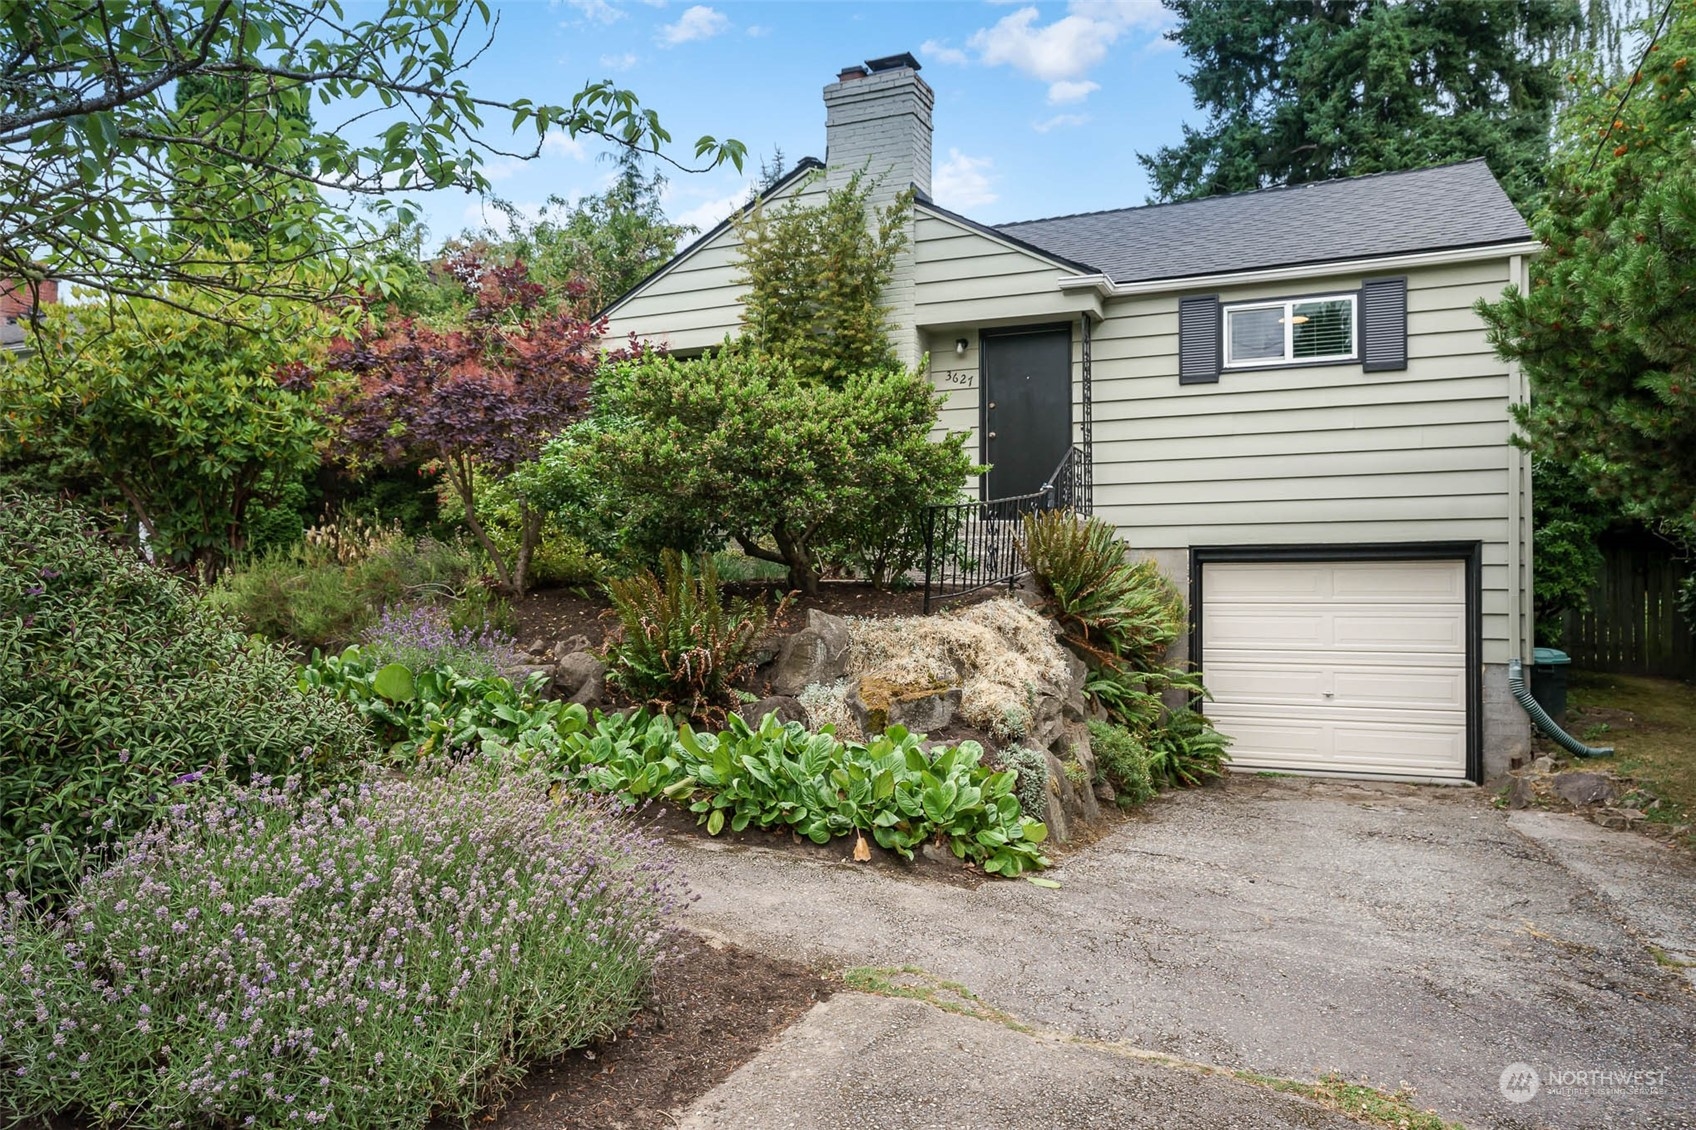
1383, 324
1198, 340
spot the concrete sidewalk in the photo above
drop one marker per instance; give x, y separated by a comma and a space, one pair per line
1388, 934
858, 1062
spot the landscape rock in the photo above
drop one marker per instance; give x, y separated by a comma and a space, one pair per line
787, 709
1617, 819
877, 705
581, 677
817, 653
570, 644
1584, 789
1521, 794
1543, 766
519, 673
1076, 704
537, 646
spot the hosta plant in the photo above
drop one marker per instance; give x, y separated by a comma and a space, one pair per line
372, 956
423, 712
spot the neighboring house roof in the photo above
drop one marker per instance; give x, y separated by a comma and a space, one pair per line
1434, 209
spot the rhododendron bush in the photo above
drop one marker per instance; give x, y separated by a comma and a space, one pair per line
372, 956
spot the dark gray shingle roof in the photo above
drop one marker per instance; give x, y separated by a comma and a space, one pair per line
1361, 217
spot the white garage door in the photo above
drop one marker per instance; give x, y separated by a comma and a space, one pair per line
1356, 668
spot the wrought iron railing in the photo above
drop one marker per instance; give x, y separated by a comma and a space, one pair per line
972, 545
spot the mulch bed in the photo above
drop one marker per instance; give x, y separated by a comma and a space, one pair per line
711, 1009
551, 615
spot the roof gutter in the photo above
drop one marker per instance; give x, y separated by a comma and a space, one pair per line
1107, 288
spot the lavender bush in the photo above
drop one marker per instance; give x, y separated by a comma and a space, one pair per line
370, 957
421, 637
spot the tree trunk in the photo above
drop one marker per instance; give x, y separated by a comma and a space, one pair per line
529, 537
803, 571
460, 476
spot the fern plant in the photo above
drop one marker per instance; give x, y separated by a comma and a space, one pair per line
1119, 615
682, 644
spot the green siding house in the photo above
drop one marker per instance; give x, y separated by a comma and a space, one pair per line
1284, 398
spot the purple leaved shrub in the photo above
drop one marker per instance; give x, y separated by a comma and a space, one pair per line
373, 956
421, 637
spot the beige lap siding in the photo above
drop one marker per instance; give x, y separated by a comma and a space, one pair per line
1317, 455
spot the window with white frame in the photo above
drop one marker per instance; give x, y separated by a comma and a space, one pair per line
1290, 332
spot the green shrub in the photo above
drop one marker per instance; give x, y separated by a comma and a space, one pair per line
1118, 614
373, 956
561, 555
682, 644
327, 590
121, 693
734, 447
1122, 761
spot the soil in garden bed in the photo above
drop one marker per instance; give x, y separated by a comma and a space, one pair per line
711, 1009
551, 615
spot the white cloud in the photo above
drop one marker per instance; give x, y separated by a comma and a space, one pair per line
598, 11
563, 145
942, 53
758, 31
1070, 46
699, 22
619, 62
964, 182
1060, 121
710, 213
1071, 90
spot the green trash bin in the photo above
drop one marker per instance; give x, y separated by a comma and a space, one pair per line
1548, 682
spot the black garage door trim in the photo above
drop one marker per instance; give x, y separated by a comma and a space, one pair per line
1468, 552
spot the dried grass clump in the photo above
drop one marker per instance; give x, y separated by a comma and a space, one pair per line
1001, 653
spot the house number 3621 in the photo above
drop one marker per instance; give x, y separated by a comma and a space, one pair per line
961, 378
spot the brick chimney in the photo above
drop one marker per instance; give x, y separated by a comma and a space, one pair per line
878, 118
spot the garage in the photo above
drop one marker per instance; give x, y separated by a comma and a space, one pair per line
1355, 667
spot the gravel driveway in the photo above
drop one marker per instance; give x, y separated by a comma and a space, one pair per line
1389, 933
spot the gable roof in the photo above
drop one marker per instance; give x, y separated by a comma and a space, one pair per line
1449, 206
803, 167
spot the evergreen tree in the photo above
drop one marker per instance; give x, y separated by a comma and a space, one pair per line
1607, 332
1308, 90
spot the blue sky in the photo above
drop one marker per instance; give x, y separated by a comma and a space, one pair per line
1040, 108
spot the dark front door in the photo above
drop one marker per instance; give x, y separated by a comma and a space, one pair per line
1027, 406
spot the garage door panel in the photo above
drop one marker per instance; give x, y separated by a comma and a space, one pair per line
1401, 582
1425, 751
1334, 626
1345, 667
1398, 582
1324, 657
1316, 684
1398, 627
1329, 715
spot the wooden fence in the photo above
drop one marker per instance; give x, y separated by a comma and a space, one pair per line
1634, 625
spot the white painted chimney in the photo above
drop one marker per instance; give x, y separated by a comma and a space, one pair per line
878, 118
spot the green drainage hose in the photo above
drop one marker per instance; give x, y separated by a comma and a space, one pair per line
1516, 684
